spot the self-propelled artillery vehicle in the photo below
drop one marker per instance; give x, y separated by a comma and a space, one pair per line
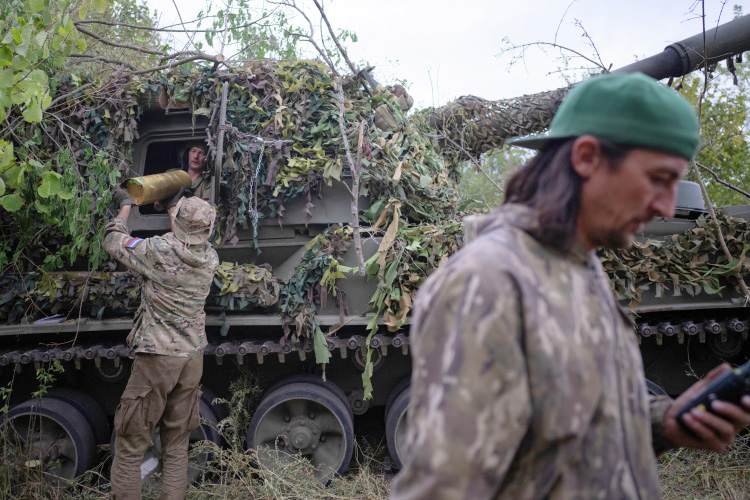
301, 211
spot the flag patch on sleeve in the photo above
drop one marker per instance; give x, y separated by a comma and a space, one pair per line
133, 242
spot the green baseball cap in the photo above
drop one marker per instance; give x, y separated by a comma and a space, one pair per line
628, 109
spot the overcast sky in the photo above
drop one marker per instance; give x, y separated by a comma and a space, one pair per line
447, 48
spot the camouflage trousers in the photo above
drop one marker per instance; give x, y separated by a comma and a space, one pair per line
164, 390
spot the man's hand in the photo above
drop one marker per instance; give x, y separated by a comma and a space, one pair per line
709, 431
120, 198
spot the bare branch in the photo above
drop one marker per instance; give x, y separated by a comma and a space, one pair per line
83, 58
342, 51
709, 204
137, 48
722, 182
561, 20
308, 37
226, 25
191, 53
201, 56
179, 15
144, 28
591, 43
525, 46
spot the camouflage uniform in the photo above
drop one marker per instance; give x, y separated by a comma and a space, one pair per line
177, 279
527, 379
201, 187
169, 337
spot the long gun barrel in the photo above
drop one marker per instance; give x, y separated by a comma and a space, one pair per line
475, 125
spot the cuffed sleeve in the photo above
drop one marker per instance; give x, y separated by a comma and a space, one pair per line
658, 407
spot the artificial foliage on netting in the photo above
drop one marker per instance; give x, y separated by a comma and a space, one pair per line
315, 277
283, 140
682, 262
239, 287
98, 294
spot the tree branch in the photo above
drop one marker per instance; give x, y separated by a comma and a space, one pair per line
342, 51
722, 182
137, 48
144, 28
87, 58
354, 167
714, 219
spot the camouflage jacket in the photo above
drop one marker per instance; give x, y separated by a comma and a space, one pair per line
527, 380
201, 186
176, 282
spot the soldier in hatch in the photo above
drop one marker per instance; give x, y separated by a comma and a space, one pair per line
193, 160
527, 381
169, 337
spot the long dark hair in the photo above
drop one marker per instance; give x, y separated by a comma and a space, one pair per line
549, 184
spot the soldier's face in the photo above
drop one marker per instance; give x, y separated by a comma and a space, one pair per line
196, 158
616, 202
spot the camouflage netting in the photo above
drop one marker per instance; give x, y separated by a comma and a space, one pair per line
283, 141
104, 294
472, 125
687, 260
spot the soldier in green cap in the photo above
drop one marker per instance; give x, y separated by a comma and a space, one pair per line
527, 380
168, 336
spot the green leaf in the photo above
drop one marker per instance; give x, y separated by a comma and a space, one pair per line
39, 76
33, 113
45, 209
50, 184
2, 187
36, 5
6, 154
14, 176
12, 202
7, 78
65, 194
100, 5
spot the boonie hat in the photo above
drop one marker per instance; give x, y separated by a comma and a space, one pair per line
628, 109
193, 220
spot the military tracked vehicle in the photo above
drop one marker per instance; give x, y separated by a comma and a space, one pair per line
326, 342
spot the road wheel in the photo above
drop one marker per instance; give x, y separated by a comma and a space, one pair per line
315, 380
52, 434
88, 407
395, 426
307, 420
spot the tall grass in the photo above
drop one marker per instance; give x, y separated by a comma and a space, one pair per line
233, 473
